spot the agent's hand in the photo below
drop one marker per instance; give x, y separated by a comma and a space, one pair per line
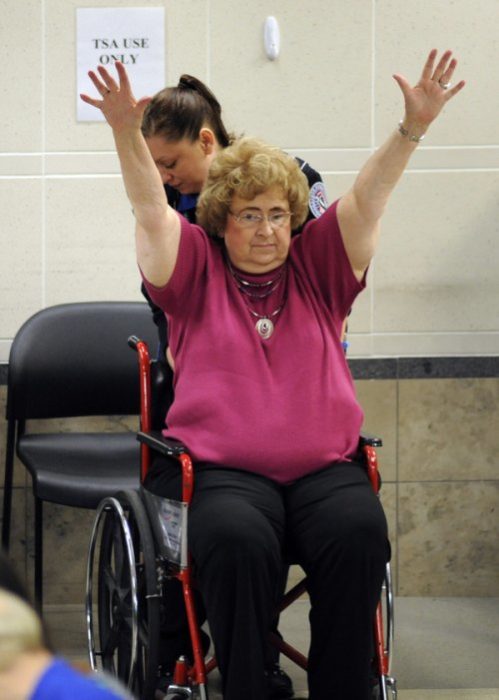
424, 101
118, 105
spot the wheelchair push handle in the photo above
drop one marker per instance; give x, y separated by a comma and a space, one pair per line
134, 341
141, 348
142, 351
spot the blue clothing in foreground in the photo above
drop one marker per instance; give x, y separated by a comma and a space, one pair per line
62, 682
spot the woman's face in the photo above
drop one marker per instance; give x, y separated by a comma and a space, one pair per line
258, 248
184, 164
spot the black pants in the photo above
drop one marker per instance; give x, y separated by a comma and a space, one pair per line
239, 526
175, 639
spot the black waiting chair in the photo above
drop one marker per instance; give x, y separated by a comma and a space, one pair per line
73, 360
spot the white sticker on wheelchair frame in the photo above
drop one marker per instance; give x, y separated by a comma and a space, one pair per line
173, 523
317, 200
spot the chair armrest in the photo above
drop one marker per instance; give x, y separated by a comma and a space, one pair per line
371, 440
171, 448
156, 441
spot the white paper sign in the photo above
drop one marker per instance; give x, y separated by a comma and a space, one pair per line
133, 35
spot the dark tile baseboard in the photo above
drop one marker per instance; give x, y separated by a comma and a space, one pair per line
406, 368
425, 367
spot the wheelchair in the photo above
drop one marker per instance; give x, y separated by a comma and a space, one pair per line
139, 541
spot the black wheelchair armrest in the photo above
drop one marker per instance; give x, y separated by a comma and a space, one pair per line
156, 441
370, 440
172, 448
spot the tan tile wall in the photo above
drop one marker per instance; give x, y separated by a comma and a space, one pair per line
66, 233
440, 469
440, 464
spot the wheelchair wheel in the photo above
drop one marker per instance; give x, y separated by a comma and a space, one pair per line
127, 642
387, 685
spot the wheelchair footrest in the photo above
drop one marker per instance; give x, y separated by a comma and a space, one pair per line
388, 688
175, 692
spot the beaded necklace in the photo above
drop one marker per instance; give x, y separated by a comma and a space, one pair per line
261, 290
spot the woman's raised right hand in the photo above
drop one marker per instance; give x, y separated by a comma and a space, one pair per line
118, 105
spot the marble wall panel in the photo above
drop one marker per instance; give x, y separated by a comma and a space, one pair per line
66, 533
19, 477
448, 429
5, 345
86, 424
296, 574
18, 531
442, 514
447, 538
388, 496
378, 398
67, 629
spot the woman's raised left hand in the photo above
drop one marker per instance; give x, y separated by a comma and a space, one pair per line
424, 101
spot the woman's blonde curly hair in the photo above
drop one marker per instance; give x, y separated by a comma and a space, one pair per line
248, 168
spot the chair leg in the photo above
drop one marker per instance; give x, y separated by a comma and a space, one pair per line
7, 491
39, 553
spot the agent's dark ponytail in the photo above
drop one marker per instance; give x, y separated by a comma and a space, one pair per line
181, 112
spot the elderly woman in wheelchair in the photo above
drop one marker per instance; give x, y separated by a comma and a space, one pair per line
264, 399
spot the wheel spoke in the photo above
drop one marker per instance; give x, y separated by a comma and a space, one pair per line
111, 642
144, 632
118, 550
109, 579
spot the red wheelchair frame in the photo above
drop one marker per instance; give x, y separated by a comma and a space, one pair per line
132, 566
195, 674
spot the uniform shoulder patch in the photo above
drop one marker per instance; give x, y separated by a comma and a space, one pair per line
317, 201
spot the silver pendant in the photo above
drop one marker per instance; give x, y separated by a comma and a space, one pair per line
265, 327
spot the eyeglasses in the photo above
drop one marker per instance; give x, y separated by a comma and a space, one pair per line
251, 219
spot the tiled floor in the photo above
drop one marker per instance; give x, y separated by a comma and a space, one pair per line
478, 694
445, 648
